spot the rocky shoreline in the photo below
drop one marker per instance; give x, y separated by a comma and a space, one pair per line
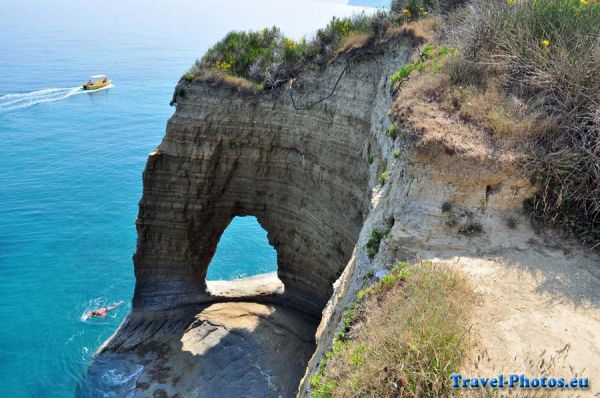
314, 179
227, 348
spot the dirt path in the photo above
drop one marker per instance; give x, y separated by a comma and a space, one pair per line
539, 311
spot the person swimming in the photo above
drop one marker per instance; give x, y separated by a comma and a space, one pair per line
102, 311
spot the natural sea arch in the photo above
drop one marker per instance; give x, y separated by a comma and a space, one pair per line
243, 250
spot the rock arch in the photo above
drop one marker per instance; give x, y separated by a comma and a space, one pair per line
302, 174
243, 251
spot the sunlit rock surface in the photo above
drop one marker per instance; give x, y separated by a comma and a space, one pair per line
225, 349
302, 168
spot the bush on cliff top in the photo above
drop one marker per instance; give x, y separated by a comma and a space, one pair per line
403, 337
268, 58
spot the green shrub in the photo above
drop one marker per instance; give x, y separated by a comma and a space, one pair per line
400, 266
427, 52
321, 388
268, 58
260, 56
547, 53
402, 74
348, 318
371, 159
388, 279
357, 356
397, 154
375, 240
362, 294
383, 177
392, 131
429, 59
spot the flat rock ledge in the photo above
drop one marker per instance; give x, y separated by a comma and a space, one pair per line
234, 347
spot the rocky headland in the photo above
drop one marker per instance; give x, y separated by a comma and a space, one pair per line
310, 172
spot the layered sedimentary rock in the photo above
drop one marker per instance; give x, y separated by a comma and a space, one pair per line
308, 169
300, 161
302, 172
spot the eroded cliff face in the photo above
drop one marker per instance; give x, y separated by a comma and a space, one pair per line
310, 176
303, 173
301, 167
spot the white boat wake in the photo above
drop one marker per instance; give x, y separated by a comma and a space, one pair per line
12, 102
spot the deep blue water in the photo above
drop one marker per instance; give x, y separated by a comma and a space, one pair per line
71, 164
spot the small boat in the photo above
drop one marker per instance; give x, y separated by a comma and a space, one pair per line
96, 82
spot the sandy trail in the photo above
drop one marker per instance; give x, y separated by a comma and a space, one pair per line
539, 310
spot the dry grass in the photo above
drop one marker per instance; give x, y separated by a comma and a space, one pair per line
404, 339
421, 106
476, 119
546, 53
477, 98
422, 31
528, 78
239, 84
355, 41
428, 28
506, 117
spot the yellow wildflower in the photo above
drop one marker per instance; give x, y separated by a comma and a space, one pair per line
223, 65
407, 12
545, 42
584, 2
511, 2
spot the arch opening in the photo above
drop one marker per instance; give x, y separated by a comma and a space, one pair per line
243, 251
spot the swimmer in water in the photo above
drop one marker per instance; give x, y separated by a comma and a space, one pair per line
102, 311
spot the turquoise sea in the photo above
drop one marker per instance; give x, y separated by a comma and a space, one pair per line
71, 164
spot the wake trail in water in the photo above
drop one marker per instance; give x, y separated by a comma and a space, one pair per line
12, 102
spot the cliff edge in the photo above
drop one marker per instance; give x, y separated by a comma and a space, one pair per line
321, 175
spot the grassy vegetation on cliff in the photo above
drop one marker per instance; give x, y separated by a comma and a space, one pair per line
416, 9
377, 235
528, 71
403, 338
546, 53
268, 58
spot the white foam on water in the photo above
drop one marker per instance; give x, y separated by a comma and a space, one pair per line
115, 378
12, 102
115, 383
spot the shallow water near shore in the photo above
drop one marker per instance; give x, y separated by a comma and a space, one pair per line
73, 161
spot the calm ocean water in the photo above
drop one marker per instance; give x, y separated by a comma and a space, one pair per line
71, 164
